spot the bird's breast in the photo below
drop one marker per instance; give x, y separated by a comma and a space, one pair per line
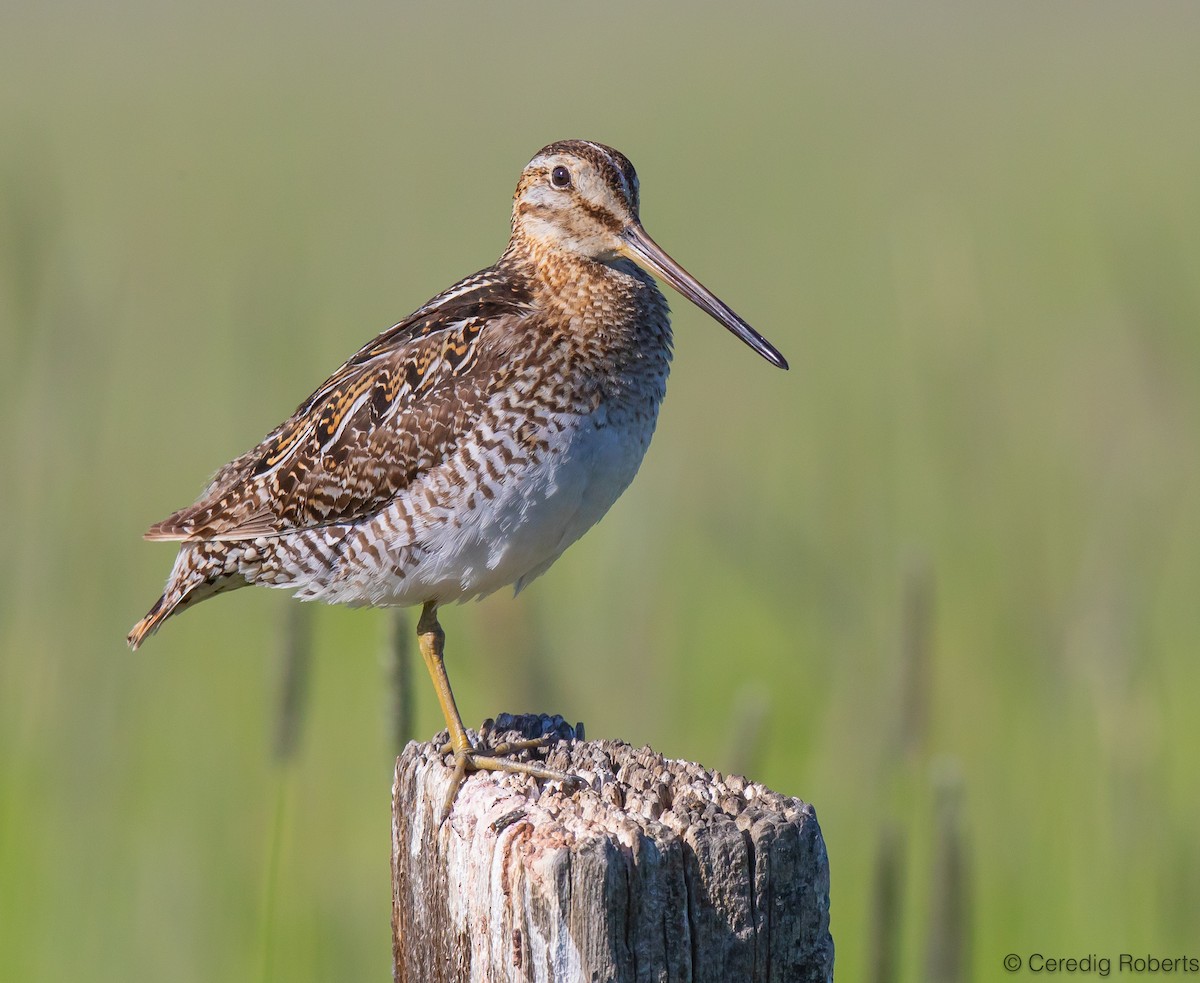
514, 509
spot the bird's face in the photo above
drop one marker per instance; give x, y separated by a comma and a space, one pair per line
577, 197
581, 198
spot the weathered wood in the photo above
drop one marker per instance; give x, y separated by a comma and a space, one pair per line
660, 871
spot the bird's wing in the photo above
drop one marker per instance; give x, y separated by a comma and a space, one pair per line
397, 408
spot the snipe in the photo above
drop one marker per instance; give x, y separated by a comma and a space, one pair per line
465, 448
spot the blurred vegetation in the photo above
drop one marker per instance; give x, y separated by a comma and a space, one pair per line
974, 230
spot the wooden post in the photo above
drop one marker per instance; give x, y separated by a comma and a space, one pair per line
661, 871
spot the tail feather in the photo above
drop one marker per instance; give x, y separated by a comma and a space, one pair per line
149, 624
199, 573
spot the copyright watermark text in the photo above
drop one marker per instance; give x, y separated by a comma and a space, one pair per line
1091, 964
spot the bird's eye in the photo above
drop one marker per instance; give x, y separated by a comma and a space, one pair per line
560, 177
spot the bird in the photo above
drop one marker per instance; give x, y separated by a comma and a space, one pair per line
465, 448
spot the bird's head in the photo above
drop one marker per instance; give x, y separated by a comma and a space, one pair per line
578, 198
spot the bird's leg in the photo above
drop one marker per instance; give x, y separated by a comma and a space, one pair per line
431, 640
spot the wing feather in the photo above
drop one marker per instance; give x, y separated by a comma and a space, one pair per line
395, 409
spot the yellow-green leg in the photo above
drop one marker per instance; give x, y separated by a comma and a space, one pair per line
467, 757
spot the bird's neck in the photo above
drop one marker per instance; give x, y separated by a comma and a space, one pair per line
573, 284
609, 317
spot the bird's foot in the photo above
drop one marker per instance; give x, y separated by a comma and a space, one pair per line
497, 758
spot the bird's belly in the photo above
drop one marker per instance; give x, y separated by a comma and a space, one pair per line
537, 512
465, 536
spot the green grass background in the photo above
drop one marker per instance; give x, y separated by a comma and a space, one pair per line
974, 230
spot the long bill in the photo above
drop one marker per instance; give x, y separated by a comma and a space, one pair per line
646, 252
